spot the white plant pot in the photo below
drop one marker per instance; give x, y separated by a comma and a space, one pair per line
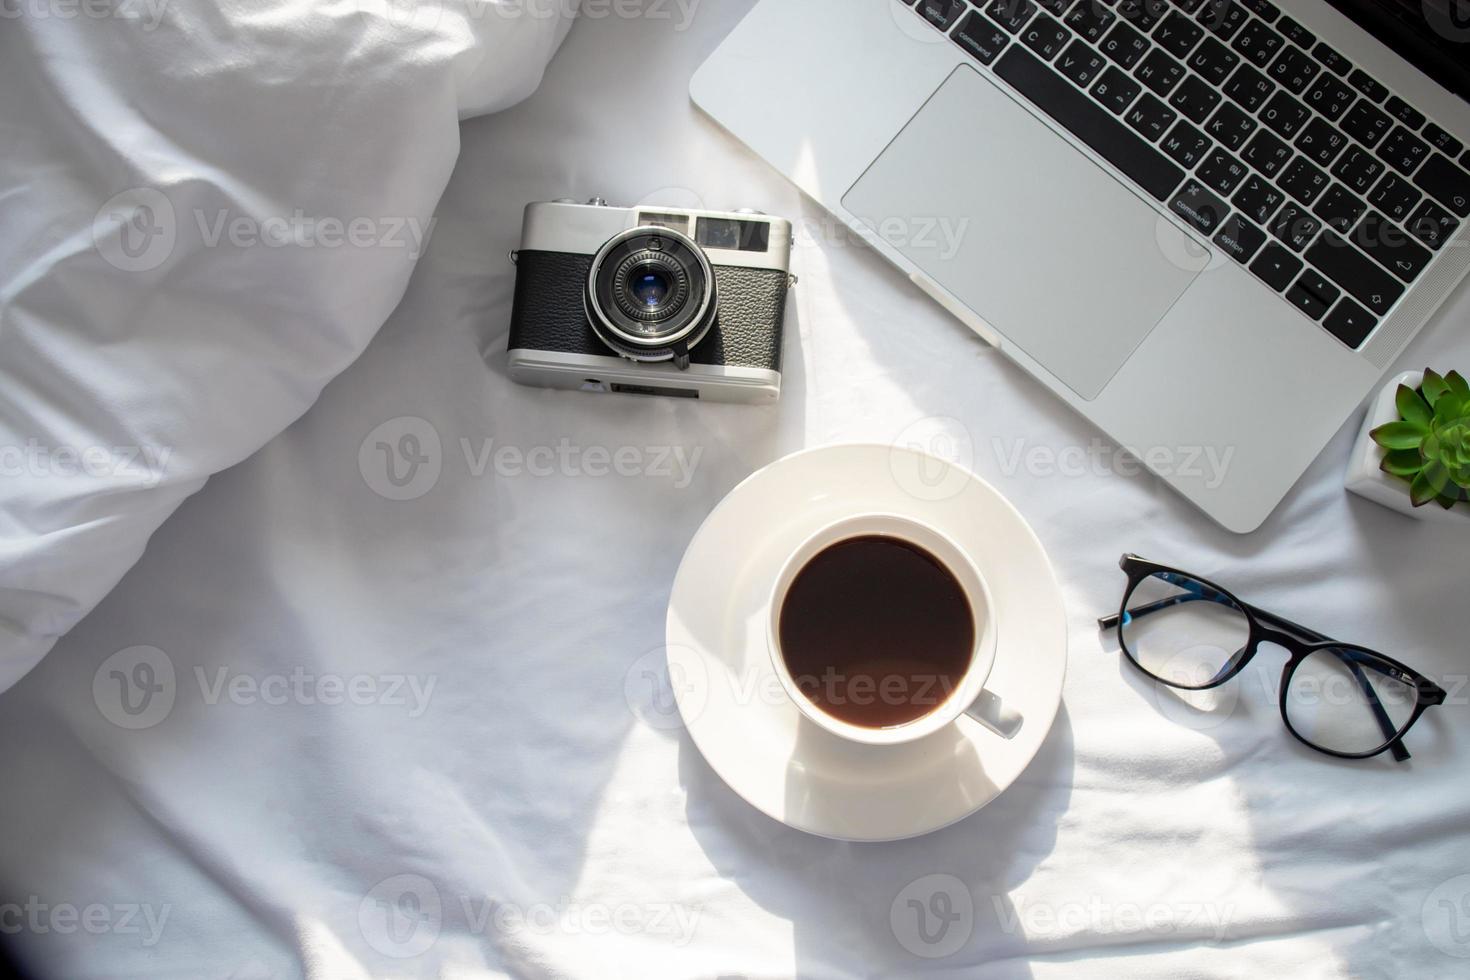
1366, 479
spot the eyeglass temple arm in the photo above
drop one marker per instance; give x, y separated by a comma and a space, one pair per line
1200, 592
1196, 593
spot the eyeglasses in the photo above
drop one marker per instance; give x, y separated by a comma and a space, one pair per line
1339, 698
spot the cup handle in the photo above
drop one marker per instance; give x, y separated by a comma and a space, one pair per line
993, 713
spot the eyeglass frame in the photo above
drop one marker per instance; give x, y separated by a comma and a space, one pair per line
1267, 627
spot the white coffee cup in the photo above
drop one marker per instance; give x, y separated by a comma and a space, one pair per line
967, 697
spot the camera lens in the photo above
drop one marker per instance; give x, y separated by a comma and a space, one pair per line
649, 286
650, 293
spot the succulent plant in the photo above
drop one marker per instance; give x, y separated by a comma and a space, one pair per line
1430, 444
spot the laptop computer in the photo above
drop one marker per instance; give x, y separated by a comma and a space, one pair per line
1207, 225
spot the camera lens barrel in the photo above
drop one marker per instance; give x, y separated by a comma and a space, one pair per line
651, 294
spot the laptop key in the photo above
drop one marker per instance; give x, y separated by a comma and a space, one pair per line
1303, 181
1295, 227
1257, 199
1057, 7
1143, 14
1080, 63
1368, 85
1366, 124
1239, 239
1045, 36
1329, 96
1186, 145
1124, 45
1432, 224
1150, 117
1442, 140
1395, 196
1249, 88
1390, 246
1012, 15
1159, 72
1403, 150
1267, 153
1214, 61
1091, 124
942, 13
1405, 113
1222, 17
1178, 35
1231, 126
1320, 142
981, 38
1258, 43
1313, 294
1196, 205
1284, 115
1334, 61
1090, 20
1264, 9
1294, 68
1350, 323
1296, 33
1116, 90
1357, 274
1195, 99
1358, 169
1447, 184
1221, 172
1276, 267
1339, 209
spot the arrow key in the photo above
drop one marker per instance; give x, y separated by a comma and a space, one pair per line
1350, 323
1276, 267
1313, 294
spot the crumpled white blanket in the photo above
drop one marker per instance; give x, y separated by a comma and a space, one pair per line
417, 738
206, 212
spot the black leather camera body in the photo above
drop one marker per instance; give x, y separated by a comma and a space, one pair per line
651, 301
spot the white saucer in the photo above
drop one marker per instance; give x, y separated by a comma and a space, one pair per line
742, 720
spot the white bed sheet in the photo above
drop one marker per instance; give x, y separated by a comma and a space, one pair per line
525, 812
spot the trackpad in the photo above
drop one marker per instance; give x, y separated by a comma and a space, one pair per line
1061, 258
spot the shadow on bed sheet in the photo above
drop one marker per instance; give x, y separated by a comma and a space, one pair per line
891, 909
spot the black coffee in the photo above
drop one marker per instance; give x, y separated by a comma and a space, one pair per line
876, 631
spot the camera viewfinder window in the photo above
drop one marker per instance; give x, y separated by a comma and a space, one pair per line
743, 236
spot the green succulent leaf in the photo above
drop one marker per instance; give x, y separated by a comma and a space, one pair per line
1400, 435
1445, 502
1457, 383
1412, 407
1403, 462
1451, 406
1437, 475
1434, 386
1420, 491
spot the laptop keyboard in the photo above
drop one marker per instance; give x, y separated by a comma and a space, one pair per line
1300, 166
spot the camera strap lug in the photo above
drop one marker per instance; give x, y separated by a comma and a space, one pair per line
514, 256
